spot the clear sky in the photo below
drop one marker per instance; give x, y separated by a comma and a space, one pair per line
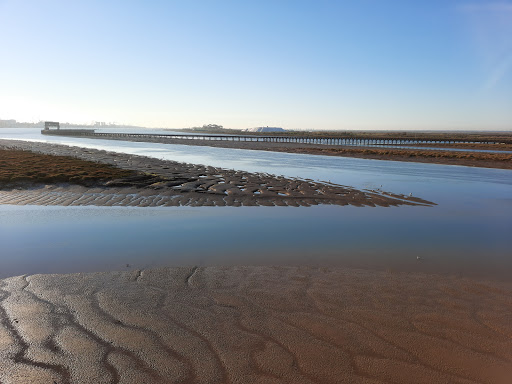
297, 64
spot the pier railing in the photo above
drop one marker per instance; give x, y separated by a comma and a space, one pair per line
325, 140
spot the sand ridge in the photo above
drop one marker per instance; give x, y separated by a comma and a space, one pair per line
254, 325
170, 183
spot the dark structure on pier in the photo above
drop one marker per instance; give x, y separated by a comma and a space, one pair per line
63, 132
51, 124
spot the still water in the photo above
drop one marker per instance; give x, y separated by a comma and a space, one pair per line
467, 233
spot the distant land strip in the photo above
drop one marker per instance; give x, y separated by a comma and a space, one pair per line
469, 158
504, 137
51, 174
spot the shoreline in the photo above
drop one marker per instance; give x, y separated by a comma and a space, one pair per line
167, 183
254, 324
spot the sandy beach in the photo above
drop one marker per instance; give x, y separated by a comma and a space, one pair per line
254, 325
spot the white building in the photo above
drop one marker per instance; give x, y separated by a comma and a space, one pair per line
265, 129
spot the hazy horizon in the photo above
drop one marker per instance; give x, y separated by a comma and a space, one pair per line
298, 65
114, 125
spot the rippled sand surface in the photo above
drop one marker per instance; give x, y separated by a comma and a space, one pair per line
254, 325
169, 183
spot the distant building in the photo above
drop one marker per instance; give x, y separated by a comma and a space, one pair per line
265, 129
51, 124
8, 123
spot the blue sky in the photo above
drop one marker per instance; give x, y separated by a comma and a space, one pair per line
291, 63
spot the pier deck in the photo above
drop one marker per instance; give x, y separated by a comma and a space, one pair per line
326, 140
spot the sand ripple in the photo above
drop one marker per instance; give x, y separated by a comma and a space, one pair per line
254, 325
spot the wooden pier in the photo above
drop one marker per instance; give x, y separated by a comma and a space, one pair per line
68, 132
324, 140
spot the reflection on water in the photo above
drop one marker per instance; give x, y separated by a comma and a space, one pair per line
74, 239
467, 233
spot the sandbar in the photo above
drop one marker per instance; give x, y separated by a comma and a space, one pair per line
155, 182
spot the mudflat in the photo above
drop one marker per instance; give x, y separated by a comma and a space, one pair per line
254, 325
49, 174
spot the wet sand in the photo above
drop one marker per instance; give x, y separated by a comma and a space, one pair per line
169, 183
254, 325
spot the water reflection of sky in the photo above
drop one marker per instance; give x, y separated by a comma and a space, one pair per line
69, 239
468, 232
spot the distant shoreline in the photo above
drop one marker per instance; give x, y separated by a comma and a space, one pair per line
469, 159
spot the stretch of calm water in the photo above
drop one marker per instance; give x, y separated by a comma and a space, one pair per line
467, 233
